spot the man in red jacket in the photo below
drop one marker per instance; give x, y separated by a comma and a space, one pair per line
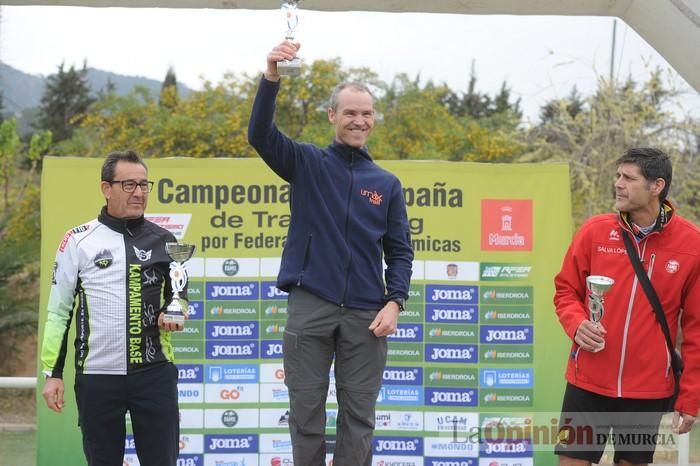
619, 371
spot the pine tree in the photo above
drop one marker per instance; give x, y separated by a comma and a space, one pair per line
65, 101
168, 91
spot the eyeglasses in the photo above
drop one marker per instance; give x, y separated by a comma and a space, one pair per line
129, 186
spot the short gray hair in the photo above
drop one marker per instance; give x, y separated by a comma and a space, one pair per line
354, 85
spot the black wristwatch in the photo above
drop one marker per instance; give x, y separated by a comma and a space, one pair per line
400, 302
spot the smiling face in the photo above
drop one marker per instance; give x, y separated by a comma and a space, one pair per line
353, 117
121, 204
636, 195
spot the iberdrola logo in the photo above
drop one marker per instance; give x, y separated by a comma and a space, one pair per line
489, 397
217, 310
490, 354
435, 332
434, 376
491, 315
274, 329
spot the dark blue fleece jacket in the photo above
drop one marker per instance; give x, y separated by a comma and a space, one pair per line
346, 212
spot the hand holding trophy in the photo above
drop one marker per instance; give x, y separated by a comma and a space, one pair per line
179, 253
291, 12
597, 286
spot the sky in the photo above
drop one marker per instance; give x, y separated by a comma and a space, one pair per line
540, 57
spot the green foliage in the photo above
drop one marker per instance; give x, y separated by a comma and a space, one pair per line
65, 101
592, 134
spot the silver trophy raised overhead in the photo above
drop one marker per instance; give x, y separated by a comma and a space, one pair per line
290, 9
179, 253
597, 286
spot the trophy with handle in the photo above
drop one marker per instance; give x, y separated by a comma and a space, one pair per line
290, 9
179, 253
597, 286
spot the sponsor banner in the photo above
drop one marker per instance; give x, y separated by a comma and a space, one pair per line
505, 462
235, 330
269, 291
404, 352
275, 443
272, 329
451, 396
451, 353
494, 314
270, 266
414, 312
452, 294
194, 330
506, 378
234, 291
229, 393
379, 460
189, 460
271, 373
398, 420
232, 310
446, 461
190, 373
409, 446
188, 350
240, 459
407, 333
230, 443
506, 334
520, 448
191, 418
506, 354
417, 270
228, 267
501, 271
451, 422
231, 418
506, 295
272, 418
175, 223
277, 459
506, 398
195, 311
451, 314
451, 333
274, 393
506, 224
232, 349
398, 375
451, 377
190, 392
452, 270
448, 448
271, 349
274, 310
400, 395
191, 443
195, 290
247, 373
416, 293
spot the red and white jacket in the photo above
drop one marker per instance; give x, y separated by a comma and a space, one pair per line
635, 362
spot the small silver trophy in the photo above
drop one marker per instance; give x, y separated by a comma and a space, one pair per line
179, 253
291, 12
597, 286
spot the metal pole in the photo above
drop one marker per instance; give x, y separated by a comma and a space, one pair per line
612, 51
17, 382
684, 449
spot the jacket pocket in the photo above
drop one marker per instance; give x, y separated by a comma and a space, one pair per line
307, 255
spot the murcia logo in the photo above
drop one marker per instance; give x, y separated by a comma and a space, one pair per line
373, 196
614, 235
672, 266
143, 256
103, 259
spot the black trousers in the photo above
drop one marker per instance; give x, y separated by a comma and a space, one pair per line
149, 396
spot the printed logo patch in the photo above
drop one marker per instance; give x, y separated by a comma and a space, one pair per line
672, 266
103, 259
374, 197
142, 255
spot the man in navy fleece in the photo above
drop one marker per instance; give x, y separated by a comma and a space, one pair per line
347, 215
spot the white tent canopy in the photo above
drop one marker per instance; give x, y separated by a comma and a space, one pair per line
672, 27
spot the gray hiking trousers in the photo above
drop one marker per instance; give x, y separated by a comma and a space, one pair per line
315, 332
